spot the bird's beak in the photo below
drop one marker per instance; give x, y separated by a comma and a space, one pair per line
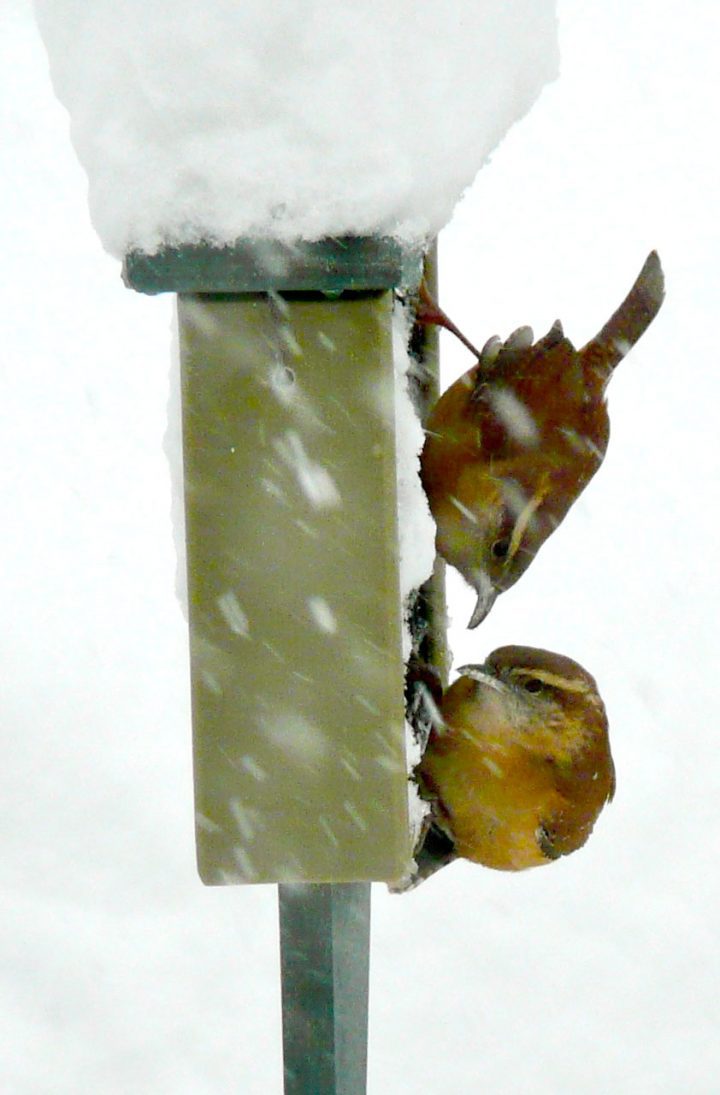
480, 673
477, 672
487, 595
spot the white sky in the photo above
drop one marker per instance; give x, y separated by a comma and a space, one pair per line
120, 972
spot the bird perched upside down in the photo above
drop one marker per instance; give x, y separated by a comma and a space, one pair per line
518, 767
512, 443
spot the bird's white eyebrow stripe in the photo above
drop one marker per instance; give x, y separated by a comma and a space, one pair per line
568, 684
525, 517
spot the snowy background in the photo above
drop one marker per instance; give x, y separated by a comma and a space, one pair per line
120, 972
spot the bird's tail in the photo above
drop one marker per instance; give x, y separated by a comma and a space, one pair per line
632, 318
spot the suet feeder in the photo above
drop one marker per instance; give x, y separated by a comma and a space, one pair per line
295, 603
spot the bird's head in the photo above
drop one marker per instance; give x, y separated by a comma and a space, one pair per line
552, 702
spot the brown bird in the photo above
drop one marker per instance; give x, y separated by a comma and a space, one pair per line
512, 443
518, 766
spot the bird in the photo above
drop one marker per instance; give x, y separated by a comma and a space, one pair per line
511, 444
518, 766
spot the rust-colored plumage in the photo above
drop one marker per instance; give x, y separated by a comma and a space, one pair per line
512, 443
518, 767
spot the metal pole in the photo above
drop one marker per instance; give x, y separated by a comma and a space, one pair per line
324, 957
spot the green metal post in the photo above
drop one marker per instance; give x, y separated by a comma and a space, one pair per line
324, 953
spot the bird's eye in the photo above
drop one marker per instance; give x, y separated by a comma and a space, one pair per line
500, 548
532, 685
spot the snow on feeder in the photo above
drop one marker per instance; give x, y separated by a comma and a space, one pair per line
284, 169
